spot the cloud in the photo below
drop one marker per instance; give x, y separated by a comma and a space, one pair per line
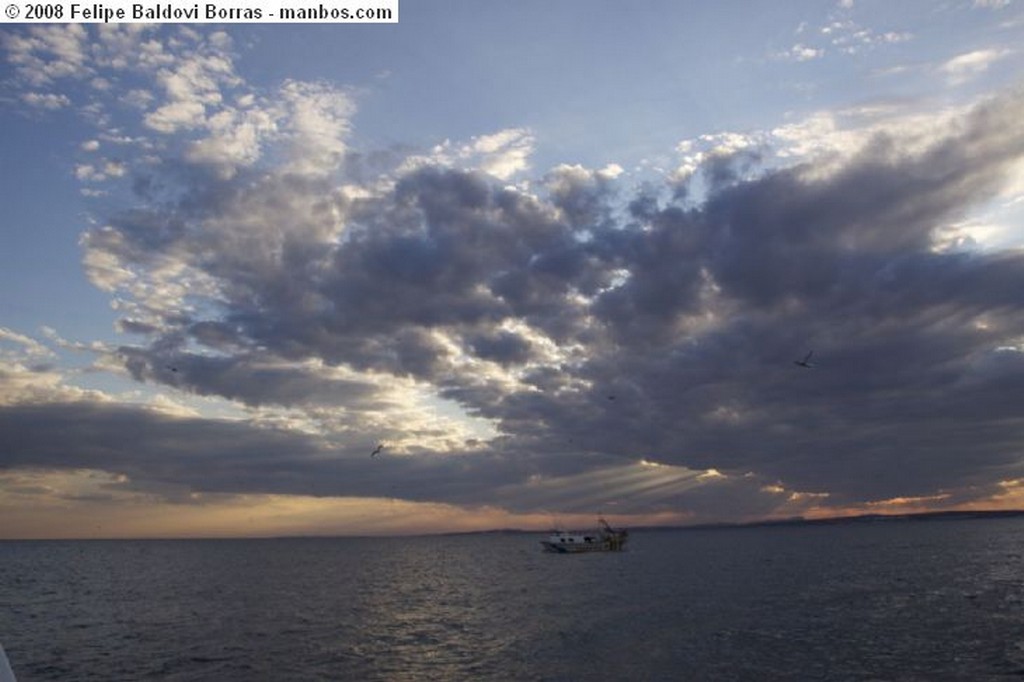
501, 154
839, 35
46, 100
45, 54
15, 346
851, 38
88, 172
192, 84
318, 123
235, 140
188, 92
176, 115
802, 53
557, 344
964, 67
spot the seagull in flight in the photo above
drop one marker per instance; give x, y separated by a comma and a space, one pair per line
806, 362
377, 450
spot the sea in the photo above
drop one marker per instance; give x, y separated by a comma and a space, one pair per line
916, 600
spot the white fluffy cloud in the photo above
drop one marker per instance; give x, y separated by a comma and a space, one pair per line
966, 66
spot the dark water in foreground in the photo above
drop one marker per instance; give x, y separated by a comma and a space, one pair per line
935, 600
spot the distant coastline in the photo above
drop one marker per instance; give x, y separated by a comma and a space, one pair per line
796, 521
859, 518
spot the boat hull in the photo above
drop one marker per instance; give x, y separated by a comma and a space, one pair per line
604, 540
581, 549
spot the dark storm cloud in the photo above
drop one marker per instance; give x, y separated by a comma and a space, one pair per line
245, 379
144, 445
680, 323
784, 236
163, 455
844, 265
505, 348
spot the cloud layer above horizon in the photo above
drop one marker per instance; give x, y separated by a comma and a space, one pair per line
537, 340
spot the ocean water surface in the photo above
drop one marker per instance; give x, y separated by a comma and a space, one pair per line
923, 600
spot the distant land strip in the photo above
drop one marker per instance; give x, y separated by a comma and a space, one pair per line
859, 518
794, 521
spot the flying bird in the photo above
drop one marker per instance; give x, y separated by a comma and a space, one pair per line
806, 362
377, 449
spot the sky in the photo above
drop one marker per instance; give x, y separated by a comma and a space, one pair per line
559, 259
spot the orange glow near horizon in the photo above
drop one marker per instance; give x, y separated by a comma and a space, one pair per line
89, 504
224, 516
1011, 500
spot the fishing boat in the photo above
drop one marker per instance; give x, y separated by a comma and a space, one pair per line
604, 539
